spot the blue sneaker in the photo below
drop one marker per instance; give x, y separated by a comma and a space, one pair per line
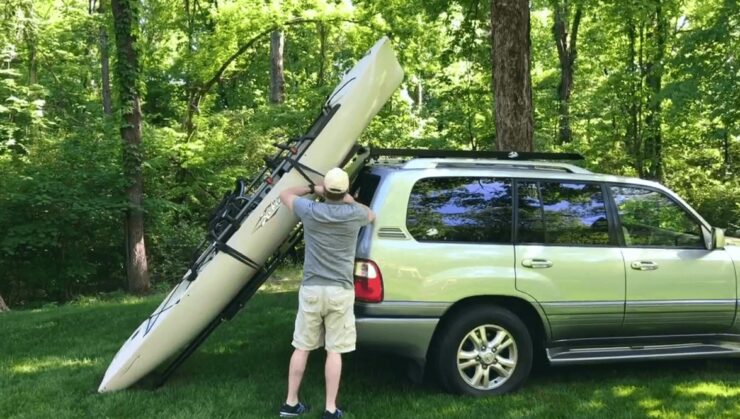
336, 415
288, 411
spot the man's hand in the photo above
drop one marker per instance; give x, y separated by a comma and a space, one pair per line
349, 199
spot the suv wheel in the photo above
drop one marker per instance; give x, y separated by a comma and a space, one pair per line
484, 351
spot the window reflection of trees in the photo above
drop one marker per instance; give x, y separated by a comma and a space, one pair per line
460, 209
562, 213
650, 218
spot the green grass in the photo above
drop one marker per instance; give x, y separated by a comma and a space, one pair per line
52, 360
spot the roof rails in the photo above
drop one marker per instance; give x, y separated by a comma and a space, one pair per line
497, 155
449, 159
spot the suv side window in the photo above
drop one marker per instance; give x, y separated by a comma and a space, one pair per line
561, 213
460, 209
649, 218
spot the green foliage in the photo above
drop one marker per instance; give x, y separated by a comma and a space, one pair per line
61, 175
60, 218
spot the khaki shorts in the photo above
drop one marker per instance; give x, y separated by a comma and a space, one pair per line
325, 318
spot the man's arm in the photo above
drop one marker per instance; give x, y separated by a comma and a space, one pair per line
288, 196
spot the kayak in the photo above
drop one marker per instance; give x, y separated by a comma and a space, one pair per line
250, 226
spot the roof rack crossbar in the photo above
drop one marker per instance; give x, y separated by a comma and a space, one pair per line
498, 155
509, 166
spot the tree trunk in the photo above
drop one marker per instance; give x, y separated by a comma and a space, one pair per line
512, 85
653, 80
634, 86
125, 17
567, 56
417, 93
189, 21
3, 307
104, 65
30, 38
639, 100
323, 33
277, 77
32, 63
727, 160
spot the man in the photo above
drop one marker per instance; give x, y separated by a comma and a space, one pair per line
326, 297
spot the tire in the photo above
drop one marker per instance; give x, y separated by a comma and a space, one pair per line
468, 365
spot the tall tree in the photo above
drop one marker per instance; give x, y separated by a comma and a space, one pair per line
277, 76
323, 35
567, 53
31, 39
104, 57
634, 88
512, 83
126, 21
654, 82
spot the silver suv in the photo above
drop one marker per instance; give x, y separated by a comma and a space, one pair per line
474, 266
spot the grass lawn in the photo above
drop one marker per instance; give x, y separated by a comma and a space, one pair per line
52, 360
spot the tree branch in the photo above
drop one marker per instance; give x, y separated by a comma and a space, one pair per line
574, 35
242, 49
197, 94
558, 32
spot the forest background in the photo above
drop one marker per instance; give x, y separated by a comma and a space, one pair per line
640, 88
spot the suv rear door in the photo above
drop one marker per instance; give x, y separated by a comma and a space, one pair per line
461, 226
674, 284
568, 258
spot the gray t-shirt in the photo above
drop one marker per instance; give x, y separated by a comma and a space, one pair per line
330, 232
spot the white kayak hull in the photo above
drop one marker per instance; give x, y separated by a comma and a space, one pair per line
192, 305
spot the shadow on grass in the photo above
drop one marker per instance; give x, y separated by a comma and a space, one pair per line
256, 348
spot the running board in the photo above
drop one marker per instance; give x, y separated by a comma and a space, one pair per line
594, 355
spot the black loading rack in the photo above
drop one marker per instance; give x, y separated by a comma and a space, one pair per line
229, 216
376, 153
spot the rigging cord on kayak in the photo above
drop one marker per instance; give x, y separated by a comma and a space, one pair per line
152, 320
302, 169
336, 92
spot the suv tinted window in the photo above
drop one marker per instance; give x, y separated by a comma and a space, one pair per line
563, 213
364, 187
650, 218
460, 209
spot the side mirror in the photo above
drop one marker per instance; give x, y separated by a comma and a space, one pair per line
718, 238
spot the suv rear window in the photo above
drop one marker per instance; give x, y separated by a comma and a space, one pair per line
364, 187
460, 209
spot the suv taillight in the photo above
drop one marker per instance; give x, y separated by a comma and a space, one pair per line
368, 281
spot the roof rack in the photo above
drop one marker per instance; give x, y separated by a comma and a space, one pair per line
498, 155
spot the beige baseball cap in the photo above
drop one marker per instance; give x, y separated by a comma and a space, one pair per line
336, 181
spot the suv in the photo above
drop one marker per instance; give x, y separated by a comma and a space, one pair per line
475, 266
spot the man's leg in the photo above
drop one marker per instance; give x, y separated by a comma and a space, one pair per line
332, 374
307, 335
295, 374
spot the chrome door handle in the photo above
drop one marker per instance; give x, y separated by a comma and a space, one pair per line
536, 263
644, 265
